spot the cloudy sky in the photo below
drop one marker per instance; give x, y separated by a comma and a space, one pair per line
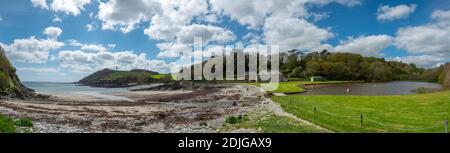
65, 40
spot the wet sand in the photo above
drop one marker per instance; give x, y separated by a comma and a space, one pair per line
201, 110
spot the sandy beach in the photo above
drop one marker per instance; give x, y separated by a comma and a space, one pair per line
201, 110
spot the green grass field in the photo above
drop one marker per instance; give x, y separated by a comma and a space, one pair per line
295, 86
408, 113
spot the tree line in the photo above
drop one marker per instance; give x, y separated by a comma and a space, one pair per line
350, 66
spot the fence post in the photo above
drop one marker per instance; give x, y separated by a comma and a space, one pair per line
314, 114
446, 126
362, 120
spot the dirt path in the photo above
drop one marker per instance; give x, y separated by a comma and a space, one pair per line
278, 110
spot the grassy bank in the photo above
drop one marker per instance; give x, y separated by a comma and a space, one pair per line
267, 122
9, 125
407, 113
295, 86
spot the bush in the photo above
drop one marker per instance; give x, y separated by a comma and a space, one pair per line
24, 122
235, 119
6, 125
4, 81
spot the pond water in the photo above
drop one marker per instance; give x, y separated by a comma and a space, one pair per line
379, 88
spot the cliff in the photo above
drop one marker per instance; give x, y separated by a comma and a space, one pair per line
10, 85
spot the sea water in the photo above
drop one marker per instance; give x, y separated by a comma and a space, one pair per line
54, 88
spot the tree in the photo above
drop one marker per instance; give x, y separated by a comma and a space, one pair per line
381, 72
313, 68
339, 71
292, 63
297, 72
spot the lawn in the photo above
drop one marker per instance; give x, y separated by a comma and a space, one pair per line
408, 113
268, 122
295, 86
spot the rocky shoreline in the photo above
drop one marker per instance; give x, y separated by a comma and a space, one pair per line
200, 109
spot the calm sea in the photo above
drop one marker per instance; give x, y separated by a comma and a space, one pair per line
67, 88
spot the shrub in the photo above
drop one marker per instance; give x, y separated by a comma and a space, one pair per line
6, 125
24, 122
235, 119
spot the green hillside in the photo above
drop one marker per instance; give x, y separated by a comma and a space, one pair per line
10, 85
113, 78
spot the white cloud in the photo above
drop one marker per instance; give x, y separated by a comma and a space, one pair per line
431, 39
293, 33
178, 22
210, 18
172, 50
365, 45
387, 13
91, 47
90, 27
56, 18
38, 70
1, 19
123, 15
52, 32
31, 50
442, 17
34, 50
248, 12
349, 3
426, 61
69, 7
79, 61
319, 16
40, 4
73, 7
207, 32
176, 16
253, 13
252, 38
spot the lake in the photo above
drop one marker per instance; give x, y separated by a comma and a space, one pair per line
379, 88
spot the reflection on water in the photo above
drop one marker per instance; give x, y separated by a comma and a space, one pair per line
382, 88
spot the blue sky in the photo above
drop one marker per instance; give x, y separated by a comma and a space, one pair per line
146, 35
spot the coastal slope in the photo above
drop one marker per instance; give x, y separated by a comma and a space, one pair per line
113, 78
10, 85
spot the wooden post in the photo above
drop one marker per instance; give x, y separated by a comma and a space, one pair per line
362, 120
446, 126
314, 114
